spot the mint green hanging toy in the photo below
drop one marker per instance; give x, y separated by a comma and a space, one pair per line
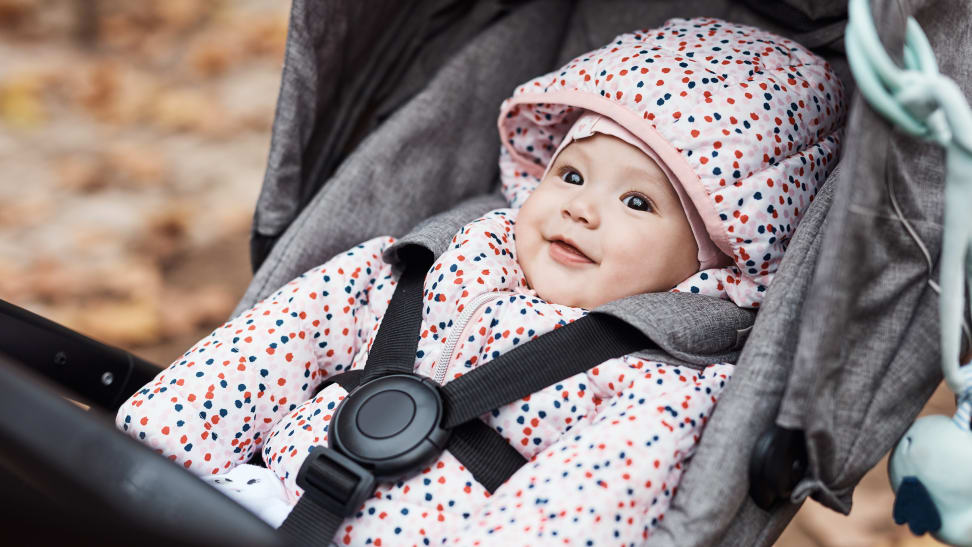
931, 467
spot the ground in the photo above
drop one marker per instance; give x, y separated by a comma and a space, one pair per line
133, 138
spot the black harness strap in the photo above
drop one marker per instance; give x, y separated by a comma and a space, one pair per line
315, 520
348, 379
485, 453
310, 524
394, 348
555, 356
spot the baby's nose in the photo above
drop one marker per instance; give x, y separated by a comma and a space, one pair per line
581, 209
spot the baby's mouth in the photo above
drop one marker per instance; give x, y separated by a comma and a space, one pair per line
566, 253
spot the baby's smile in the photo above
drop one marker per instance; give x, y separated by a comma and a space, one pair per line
567, 253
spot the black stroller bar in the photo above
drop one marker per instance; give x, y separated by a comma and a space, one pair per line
75, 477
102, 375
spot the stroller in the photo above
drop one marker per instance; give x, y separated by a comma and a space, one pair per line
836, 365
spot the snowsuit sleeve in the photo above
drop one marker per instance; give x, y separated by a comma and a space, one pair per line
610, 482
212, 409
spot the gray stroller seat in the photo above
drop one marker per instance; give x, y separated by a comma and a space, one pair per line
841, 358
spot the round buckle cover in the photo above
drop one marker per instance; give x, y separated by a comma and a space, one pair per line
391, 425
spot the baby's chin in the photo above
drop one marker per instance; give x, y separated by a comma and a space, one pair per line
554, 291
564, 296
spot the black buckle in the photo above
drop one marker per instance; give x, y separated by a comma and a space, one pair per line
383, 430
335, 481
391, 426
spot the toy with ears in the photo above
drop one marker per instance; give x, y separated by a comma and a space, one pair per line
931, 467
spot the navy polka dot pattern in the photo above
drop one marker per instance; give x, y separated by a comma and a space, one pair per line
749, 122
606, 448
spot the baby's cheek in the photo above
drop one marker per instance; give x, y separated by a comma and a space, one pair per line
638, 269
623, 278
526, 254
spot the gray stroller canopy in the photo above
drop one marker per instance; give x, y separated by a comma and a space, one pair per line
387, 117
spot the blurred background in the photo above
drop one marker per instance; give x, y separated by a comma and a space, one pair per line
133, 139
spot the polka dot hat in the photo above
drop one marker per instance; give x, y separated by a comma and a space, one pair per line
747, 121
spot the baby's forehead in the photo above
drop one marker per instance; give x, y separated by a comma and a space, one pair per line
608, 155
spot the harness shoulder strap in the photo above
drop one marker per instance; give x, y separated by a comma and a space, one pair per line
393, 351
553, 357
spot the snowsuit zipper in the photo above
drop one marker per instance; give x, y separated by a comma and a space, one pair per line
459, 328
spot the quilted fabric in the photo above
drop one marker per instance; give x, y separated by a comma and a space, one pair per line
749, 123
607, 447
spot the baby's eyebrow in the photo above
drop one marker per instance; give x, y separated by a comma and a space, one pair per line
655, 179
578, 150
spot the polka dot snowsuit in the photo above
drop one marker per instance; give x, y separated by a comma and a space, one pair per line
605, 448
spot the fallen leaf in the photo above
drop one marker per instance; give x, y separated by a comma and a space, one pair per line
265, 36
181, 14
119, 322
83, 173
135, 165
165, 233
190, 110
98, 88
21, 104
214, 53
186, 310
26, 211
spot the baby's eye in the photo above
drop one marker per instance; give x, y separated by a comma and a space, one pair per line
637, 202
571, 177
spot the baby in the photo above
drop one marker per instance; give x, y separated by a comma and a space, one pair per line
679, 158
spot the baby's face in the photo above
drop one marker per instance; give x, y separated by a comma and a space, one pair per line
604, 223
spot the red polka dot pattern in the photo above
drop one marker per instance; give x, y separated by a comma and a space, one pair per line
753, 118
605, 448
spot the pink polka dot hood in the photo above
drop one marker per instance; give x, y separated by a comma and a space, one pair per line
745, 122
